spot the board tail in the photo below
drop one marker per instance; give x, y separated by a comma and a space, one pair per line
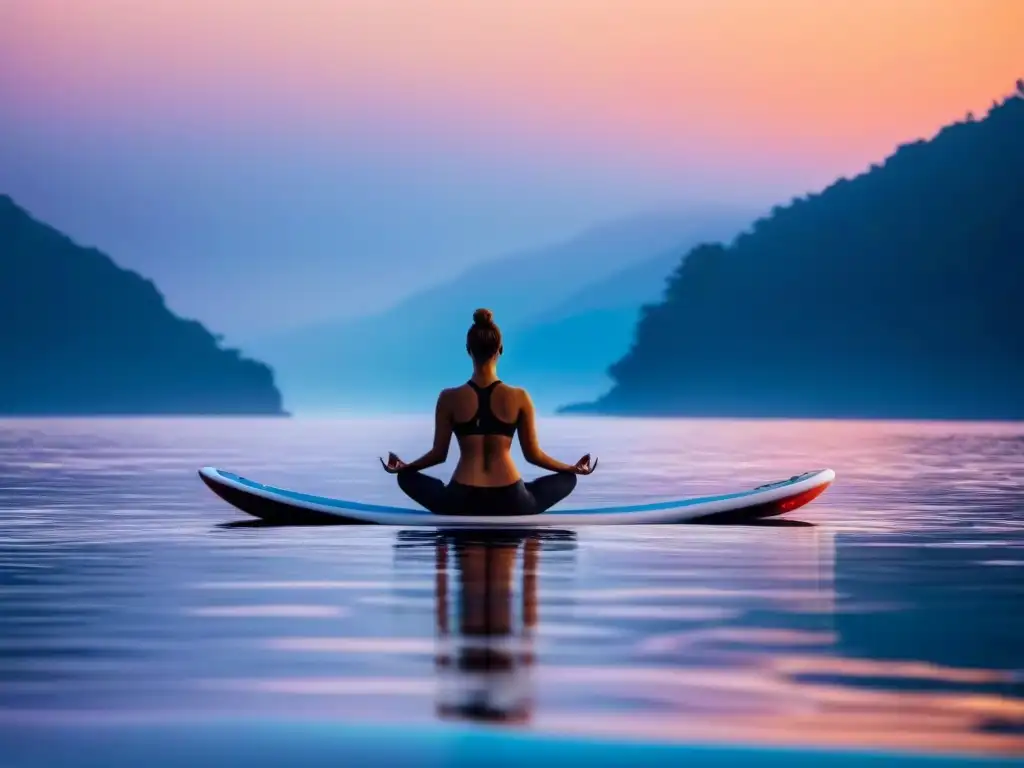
265, 508
767, 509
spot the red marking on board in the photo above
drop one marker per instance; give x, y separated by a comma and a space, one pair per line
790, 503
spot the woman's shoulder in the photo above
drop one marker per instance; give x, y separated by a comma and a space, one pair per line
449, 392
519, 393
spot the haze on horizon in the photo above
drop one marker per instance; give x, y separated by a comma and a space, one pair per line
323, 158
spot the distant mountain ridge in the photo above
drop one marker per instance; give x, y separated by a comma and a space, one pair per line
81, 336
400, 356
895, 294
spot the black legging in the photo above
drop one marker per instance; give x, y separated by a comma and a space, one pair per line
519, 498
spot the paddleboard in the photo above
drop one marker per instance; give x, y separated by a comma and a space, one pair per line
284, 506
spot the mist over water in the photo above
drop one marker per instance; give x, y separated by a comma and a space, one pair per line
892, 618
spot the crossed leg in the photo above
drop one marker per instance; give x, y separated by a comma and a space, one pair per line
432, 494
427, 491
551, 489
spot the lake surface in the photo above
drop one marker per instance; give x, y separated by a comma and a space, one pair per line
133, 610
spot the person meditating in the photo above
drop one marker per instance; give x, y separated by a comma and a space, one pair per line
484, 415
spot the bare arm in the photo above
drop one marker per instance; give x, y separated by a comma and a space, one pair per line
531, 445
442, 438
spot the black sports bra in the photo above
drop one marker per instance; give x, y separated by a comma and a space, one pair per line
484, 422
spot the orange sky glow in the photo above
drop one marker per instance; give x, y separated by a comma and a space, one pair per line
846, 76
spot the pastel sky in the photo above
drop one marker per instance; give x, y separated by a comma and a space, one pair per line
327, 156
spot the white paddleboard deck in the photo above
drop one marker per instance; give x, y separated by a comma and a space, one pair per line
284, 506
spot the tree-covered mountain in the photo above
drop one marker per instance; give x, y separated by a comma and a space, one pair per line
897, 293
567, 311
80, 335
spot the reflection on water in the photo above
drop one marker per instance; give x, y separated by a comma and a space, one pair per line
890, 615
485, 631
485, 671
761, 655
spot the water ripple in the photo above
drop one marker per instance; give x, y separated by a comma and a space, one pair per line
894, 622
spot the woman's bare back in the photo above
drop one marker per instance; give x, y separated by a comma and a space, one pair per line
485, 460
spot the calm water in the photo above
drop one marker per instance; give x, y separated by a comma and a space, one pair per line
891, 620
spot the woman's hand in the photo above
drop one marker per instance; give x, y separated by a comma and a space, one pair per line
584, 467
394, 464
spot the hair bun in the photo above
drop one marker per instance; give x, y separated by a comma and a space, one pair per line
483, 317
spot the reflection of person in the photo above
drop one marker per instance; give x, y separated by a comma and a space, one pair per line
485, 634
488, 660
484, 414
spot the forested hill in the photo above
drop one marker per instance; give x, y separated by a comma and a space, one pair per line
897, 294
80, 335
